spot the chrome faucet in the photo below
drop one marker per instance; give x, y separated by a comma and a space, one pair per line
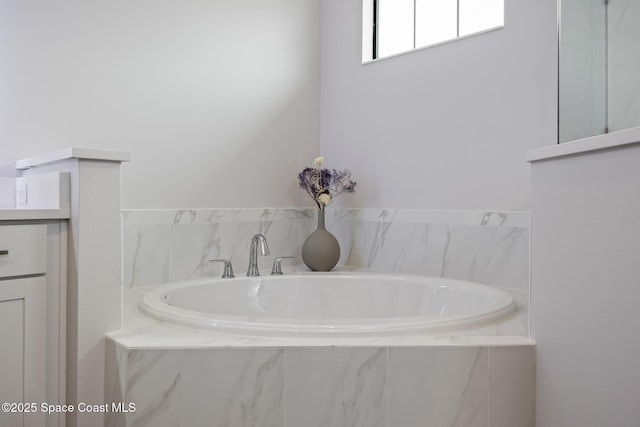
228, 268
276, 270
253, 254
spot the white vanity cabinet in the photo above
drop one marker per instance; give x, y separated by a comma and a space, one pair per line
30, 293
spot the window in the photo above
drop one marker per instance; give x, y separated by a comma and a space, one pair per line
395, 26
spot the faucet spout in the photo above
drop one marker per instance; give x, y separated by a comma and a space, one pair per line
261, 241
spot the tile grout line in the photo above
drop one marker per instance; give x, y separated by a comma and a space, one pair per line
489, 351
283, 404
386, 385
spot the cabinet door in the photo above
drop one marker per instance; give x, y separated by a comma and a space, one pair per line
23, 349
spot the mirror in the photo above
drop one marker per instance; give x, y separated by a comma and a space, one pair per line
599, 67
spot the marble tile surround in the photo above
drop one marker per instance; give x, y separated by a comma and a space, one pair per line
324, 386
177, 376
162, 246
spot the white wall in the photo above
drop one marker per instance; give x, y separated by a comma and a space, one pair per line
217, 100
586, 288
446, 127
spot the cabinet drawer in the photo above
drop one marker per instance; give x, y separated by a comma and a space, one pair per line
23, 249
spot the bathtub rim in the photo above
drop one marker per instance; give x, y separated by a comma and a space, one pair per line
283, 327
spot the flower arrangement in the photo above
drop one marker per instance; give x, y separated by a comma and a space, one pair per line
323, 185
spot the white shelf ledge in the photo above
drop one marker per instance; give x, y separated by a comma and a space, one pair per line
73, 153
586, 145
9, 214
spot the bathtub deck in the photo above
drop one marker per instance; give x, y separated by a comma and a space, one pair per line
141, 331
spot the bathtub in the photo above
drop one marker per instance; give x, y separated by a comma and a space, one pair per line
328, 305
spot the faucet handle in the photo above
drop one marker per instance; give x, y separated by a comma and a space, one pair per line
228, 268
277, 268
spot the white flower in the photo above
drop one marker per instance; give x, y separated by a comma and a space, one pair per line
324, 199
319, 161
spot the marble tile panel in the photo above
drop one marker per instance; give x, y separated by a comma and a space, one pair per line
352, 214
457, 218
460, 252
184, 216
286, 231
498, 256
200, 216
278, 214
512, 377
364, 245
503, 257
192, 246
146, 254
357, 232
235, 242
474, 403
429, 249
490, 247
230, 215
232, 387
433, 387
335, 387
153, 382
115, 379
205, 216
403, 248
193, 216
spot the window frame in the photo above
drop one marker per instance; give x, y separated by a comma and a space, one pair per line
374, 13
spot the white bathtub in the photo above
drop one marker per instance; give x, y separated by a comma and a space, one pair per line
328, 304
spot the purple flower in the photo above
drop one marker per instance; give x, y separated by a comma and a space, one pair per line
327, 182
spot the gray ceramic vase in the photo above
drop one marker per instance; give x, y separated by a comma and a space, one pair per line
321, 250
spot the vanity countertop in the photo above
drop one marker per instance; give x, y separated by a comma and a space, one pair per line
12, 214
